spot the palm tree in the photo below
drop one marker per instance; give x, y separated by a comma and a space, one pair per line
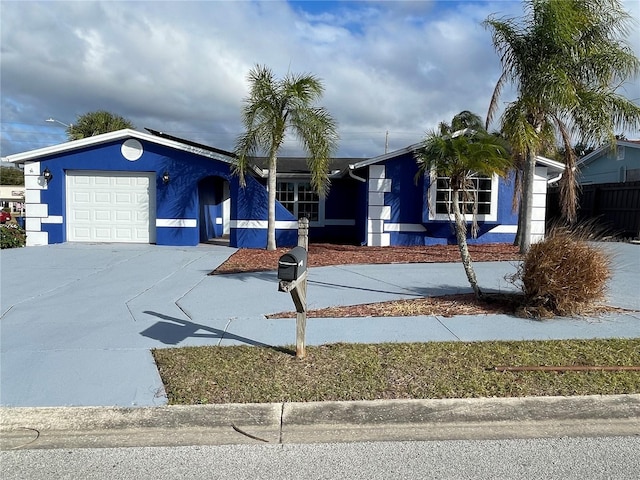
566, 59
272, 107
459, 152
95, 123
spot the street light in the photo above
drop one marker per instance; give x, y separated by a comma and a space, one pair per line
53, 120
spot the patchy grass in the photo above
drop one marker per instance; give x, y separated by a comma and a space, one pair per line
196, 375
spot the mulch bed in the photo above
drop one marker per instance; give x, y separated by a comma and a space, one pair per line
322, 255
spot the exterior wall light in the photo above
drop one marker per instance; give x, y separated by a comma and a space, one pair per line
48, 176
165, 177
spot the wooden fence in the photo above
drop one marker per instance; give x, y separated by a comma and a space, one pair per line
613, 206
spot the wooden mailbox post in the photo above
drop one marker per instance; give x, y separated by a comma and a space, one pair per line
298, 290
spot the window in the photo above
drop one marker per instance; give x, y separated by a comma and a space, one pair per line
300, 199
484, 190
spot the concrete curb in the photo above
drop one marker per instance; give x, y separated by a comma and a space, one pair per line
276, 423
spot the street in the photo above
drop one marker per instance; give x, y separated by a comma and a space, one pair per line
550, 458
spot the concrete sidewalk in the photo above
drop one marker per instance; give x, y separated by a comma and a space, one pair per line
78, 321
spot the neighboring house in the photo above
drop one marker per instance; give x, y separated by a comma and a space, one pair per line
605, 165
130, 186
12, 197
610, 193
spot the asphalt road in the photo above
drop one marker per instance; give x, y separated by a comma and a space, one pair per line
553, 458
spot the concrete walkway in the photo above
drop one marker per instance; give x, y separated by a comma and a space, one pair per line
79, 320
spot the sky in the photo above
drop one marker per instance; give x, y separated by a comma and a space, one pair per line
392, 70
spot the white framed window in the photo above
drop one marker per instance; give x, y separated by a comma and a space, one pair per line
483, 189
301, 200
620, 153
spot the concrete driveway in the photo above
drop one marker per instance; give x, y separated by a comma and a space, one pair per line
79, 320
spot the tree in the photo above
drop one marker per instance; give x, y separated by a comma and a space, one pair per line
273, 107
11, 176
95, 123
566, 59
458, 152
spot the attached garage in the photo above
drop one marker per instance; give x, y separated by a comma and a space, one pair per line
111, 206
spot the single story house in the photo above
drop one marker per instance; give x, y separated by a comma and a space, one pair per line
605, 165
150, 187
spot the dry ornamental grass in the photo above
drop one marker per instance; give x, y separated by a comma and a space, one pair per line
562, 275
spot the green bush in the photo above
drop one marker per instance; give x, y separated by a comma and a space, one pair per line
562, 275
12, 236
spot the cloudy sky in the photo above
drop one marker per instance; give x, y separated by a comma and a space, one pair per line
180, 67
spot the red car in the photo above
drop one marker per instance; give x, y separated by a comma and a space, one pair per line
4, 216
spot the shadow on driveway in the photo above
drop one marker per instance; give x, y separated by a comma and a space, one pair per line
173, 331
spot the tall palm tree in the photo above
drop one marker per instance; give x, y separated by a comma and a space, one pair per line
95, 123
274, 106
566, 59
458, 152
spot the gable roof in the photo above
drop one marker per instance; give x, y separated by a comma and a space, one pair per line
167, 141
603, 150
552, 165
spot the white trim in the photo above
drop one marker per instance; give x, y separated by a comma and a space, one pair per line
380, 213
504, 229
381, 185
492, 217
36, 239
262, 224
53, 219
379, 240
40, 210
33, 224
377, 172
177, 222
110, 137
375, 226
404, 227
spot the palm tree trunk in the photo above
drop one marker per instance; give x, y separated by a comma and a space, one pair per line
527, 202
461, 236
271, 219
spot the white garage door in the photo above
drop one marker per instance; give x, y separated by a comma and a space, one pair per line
111, 207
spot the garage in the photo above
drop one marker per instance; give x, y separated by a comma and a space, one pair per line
110, 206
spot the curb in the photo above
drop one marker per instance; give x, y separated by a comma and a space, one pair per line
319, 422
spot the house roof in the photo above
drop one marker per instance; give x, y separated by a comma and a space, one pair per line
165, 140
603, 150
552, 165
385, 156
299, 165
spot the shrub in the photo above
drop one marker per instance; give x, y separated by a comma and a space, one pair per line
12, 236
562, 275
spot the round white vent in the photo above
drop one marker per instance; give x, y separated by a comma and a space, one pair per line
132, 149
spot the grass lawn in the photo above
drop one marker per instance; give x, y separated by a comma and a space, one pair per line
196, 375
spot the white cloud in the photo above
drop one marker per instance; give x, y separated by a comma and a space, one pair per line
181, 67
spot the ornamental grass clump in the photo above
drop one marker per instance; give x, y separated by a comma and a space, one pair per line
563, 275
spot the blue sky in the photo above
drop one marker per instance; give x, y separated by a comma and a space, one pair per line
180, 67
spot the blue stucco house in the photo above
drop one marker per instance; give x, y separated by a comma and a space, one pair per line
150, 187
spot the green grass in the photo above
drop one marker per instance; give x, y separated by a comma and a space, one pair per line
196, 375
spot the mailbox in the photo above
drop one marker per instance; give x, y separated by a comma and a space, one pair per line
292, 264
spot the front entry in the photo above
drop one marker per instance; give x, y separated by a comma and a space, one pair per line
215, 208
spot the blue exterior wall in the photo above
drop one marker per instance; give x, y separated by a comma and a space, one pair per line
180, 218
612, 167
177, 200
407, 199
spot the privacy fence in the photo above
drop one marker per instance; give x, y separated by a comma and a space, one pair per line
613, 206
